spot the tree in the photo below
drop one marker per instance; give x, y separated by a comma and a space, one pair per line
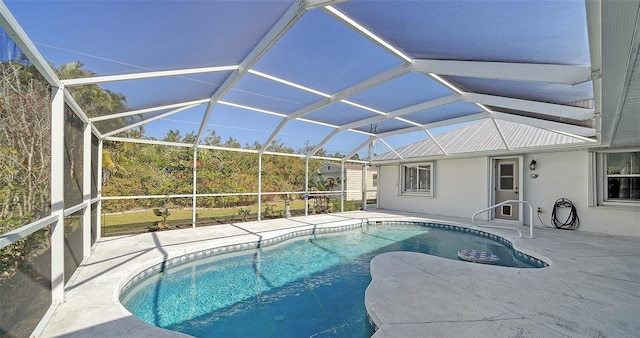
24, 144
94, 100
25, 177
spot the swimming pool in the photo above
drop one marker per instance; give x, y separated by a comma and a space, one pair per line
310, 286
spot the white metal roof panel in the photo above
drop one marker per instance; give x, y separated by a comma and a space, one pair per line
482, 136
512, 31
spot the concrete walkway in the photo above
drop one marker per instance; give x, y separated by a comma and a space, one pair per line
592, 287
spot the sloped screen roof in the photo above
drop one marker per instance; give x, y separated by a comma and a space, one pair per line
310, 71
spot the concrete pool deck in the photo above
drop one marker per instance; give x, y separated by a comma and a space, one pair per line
592, 287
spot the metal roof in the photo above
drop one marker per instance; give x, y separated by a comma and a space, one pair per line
485, 136
340, 74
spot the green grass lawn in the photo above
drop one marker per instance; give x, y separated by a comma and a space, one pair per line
144, 220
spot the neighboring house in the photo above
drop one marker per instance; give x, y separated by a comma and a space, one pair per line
353, 180
541, 167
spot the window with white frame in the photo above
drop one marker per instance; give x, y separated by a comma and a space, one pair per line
416, 179
374, 180
621, 176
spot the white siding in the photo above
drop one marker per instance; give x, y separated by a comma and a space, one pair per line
462, 188
353, 184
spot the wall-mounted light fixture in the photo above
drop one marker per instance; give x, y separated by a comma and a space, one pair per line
532, 165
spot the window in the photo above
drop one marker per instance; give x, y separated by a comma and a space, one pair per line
374, 179
416, 179
506, 175
622, 176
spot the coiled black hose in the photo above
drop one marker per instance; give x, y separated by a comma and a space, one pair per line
572, 222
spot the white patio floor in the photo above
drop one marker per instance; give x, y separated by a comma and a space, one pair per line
592, 287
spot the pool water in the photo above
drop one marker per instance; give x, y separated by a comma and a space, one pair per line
312, 286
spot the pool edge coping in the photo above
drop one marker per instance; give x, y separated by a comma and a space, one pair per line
153, 266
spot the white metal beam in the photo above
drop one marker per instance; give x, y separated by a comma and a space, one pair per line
18, 35
286, 21
143, 122
310, 108
194, 182
547, 73
436, 142
594, 28
339, 96
287, 83
353, 90
87, 171
342, 185
204, 146
317, 122
312, 4
306, 186
391, 148
357, 149
145, 75
570, 112
548, 125
323, 142
504, 139
71, 102
57, 195
147, 141
372, 82
273, 135
12, 236
462, 119
260, 186
405, 111
147, 110
366, 33
99, 187
235, 105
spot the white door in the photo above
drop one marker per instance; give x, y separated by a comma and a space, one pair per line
506, 188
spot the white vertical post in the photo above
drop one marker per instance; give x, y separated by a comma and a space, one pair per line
195, 186
99, 188
364, 187
378, 172
342, 186
57, 195
259, 185
306, 186
86, 191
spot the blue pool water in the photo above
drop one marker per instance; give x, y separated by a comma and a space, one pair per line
312, 286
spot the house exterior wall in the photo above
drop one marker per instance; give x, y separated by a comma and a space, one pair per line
461, 188
353, 183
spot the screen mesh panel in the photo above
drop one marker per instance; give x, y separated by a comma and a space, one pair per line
507, 31
261, 93
133, 36
340, 113
323, 54
401, 92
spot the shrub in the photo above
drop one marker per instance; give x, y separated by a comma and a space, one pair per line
348, 205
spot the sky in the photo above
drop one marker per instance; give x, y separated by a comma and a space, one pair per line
319, 52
